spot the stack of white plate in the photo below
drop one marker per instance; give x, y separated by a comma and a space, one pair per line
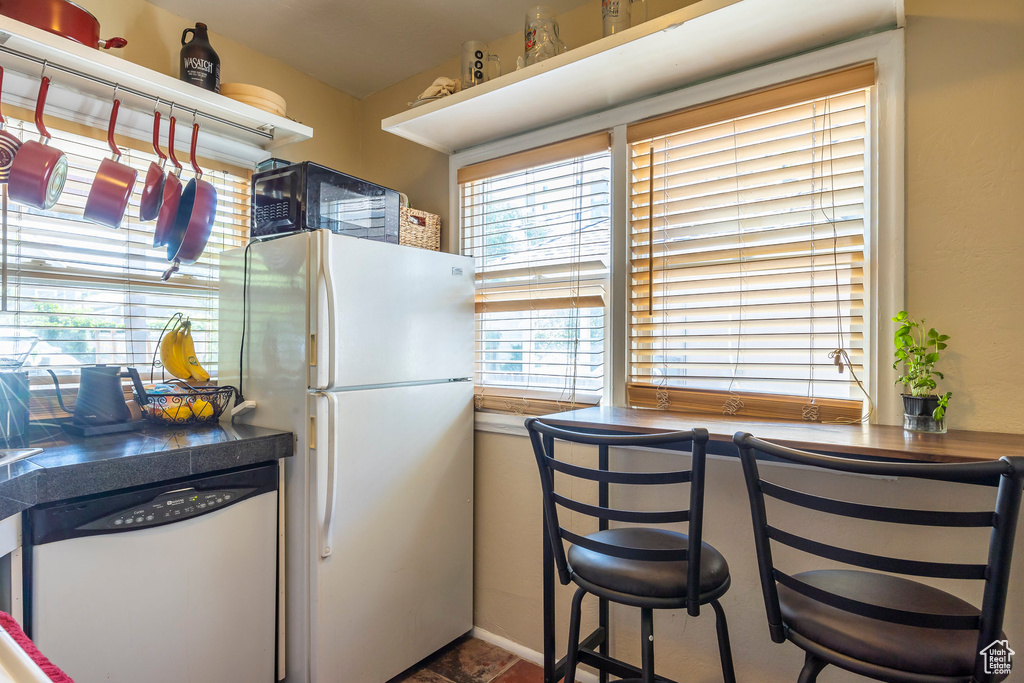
253, 95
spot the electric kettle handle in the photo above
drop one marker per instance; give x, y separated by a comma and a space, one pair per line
56, 385
137, 381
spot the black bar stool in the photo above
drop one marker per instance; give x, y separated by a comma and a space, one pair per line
882, 626
641, 566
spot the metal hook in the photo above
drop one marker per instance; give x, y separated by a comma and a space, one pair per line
117, 87
42, 72
156, 105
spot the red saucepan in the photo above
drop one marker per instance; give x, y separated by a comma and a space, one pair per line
38, 171
153, 189
196, 213
8, 143
113, 185
171, 194
62, 18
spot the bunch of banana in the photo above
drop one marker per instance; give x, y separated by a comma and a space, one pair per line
178, 353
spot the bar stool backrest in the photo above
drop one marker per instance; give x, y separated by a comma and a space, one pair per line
995, 573
543, 437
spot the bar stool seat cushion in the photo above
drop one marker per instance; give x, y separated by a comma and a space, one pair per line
931, 651
645, 578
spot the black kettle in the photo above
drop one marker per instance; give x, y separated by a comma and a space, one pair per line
100, 396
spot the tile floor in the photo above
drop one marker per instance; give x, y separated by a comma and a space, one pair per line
471, 660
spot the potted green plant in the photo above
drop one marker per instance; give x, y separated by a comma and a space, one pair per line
917, 350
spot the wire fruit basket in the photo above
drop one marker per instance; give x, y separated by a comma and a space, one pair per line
187, 405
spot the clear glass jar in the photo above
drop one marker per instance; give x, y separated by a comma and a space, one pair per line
924, 423
540, 35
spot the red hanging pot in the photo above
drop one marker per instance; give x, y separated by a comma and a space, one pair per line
9, 144
113, 185
38, 171
171, 194
196, 212
153, 189
61, 18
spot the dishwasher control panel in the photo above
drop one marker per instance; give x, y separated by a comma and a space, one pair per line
170, 507
124, 511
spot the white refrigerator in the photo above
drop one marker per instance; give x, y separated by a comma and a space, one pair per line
365, 351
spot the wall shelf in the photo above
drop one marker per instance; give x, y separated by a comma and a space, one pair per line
705, 40
229, 130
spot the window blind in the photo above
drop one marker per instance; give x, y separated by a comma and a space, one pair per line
537, 225
93, 294
747, 227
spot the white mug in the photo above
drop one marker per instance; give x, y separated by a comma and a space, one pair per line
475, 57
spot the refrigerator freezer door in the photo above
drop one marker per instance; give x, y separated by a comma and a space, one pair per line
398, 582
390, 314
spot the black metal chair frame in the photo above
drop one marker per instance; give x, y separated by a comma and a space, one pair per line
1009, 471
593, 650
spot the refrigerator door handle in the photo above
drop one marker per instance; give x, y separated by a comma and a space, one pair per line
325, 296
327, 531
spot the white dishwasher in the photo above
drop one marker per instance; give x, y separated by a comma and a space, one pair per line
164, 584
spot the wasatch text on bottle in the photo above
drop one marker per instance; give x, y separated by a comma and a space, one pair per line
199, 64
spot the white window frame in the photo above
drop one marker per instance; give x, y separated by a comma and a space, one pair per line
885, 203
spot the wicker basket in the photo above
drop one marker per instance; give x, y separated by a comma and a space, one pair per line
420, 229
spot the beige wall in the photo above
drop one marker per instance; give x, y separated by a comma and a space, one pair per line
965, 198
154, 41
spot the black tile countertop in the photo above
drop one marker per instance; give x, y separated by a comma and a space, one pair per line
72, 466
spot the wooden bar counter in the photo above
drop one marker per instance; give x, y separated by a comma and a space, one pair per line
874, 441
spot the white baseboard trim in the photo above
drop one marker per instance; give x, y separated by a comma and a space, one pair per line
524, 652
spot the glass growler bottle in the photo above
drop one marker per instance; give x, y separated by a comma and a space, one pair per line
200, 64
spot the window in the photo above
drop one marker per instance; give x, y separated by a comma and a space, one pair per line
747, 233
538, 227
92, 294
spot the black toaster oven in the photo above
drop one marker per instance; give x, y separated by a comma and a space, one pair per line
308, 196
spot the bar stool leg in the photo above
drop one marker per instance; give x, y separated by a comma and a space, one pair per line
724, 648
812, 667
647, 646
572, 651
